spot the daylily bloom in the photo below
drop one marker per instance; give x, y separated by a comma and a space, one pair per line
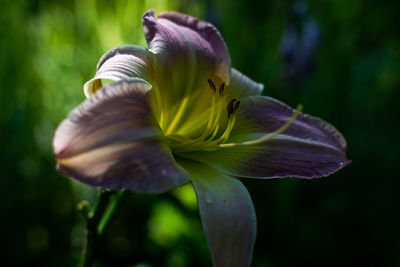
177, 112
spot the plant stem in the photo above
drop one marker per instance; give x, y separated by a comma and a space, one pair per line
96, 223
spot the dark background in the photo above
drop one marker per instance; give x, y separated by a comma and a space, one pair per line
340, 59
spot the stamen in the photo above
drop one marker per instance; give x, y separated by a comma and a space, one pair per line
210, 121
230, 107
216, 132
217, 118
212, 85
226, 133
236, 107
210, 128
221, 89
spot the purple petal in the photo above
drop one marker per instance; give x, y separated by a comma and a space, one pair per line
187, 52
267, 115
178, 37
121, 63
227, 214
112, 140
309, 148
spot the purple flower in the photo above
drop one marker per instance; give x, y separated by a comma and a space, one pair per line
177, 113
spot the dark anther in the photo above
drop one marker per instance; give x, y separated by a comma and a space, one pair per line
221, 89
235, 108
212, 85
231, 107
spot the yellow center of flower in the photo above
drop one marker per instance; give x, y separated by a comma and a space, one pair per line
216, 131
213, 133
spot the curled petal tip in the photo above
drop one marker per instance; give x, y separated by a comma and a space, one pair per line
178, 38
148, 15
125, 62
149, 24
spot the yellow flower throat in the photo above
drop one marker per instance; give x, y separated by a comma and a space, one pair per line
212, 135
217, 130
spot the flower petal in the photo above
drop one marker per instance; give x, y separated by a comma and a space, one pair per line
112, 140
242, 86
227, 214
187, 52
178, 38
309, 148
121, 63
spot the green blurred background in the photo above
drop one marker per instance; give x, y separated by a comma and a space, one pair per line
340, 59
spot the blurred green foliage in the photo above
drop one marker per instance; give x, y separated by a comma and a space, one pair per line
48, 49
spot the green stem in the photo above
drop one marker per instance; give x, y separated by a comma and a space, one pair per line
96, 223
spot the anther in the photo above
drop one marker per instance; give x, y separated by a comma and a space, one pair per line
236, 107
221, 89
230, 107
212, 85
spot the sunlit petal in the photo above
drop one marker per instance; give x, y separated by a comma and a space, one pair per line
121, 63
112, 140
227, 214
242, 86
